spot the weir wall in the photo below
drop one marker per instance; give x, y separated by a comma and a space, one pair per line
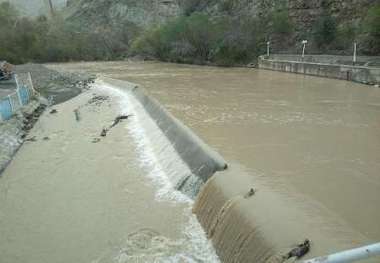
260, 228
200, 158
326, 68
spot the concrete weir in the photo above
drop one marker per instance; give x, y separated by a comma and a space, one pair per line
202, 161
262, 227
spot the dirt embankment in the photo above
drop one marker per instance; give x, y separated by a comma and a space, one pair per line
54, 87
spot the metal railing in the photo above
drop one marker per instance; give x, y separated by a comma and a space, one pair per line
347, 256
16, 100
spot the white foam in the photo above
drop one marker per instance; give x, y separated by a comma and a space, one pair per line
149, 161
193, 246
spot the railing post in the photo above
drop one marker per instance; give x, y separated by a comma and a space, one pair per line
31, 83
18, 91
11, 103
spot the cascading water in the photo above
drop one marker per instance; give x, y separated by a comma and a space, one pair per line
167, 138
168, 172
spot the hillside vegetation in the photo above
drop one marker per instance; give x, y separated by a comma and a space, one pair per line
223, 32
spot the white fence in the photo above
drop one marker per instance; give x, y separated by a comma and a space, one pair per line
21, 97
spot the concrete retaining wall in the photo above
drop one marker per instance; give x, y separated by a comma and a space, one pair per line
329, 59
361, 74
200, 158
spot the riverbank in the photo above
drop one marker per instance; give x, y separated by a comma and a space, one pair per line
53, 88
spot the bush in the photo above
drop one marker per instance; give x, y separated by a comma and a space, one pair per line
200, 39
346, 35
182, 39
227, 6
372, 29
324, 31
45, 40
281, 23
242, 42
191, 6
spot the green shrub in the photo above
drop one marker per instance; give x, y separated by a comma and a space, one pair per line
191, 6
372, 29
44, 40
346, 35
281, 23
198, 39
324, 31
227, 6
182, 39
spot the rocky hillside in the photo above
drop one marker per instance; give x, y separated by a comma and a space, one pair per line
142, 13
303, 15
223, 32
296, 19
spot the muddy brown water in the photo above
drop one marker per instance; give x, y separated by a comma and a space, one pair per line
70, 195
318, 137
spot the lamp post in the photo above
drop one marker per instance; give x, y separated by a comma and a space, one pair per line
304, 42
268, 48
354, 57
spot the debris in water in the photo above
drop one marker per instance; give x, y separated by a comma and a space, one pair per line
104, 132
77, 114
96, 140
299, 251
118, 119
53, 111
32, 139
31, 119
250, 193
97, 100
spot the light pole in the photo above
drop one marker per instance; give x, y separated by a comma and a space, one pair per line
304, 42
354, 57
268, 48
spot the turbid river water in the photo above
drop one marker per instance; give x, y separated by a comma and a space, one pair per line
309, 146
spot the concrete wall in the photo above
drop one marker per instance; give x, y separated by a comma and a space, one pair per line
329, 59
201, 159
361, 74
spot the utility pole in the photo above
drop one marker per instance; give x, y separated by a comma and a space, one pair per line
268, 49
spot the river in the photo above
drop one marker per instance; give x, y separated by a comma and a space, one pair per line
310, 140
